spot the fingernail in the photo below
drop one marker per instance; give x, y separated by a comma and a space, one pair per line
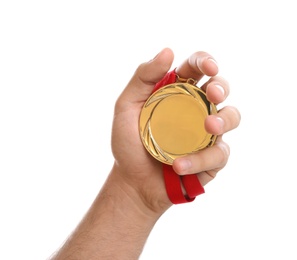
220, 123
213, 61
221, 89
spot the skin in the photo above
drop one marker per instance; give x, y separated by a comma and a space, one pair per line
133, 196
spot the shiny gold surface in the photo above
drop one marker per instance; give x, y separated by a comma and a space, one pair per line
172, 122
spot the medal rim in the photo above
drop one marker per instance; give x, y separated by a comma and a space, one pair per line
158, 96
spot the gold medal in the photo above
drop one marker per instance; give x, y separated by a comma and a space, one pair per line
172, 121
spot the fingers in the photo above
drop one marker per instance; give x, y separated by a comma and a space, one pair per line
198, 65
207, 160
202, 64
227, 119
217, 89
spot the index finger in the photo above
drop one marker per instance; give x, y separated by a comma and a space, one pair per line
198, 65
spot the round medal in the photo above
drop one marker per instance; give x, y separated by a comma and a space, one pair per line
172, 121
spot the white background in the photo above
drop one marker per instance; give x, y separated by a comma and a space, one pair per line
62, 66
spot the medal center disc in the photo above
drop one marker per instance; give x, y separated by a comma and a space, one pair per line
177, 124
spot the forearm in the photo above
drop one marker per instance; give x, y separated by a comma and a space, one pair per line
116, 226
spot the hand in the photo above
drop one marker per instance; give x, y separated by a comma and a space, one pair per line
134, 196
138, 169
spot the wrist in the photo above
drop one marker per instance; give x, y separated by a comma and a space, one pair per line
127, 192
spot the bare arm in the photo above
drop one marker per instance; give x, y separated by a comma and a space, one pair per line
116, 226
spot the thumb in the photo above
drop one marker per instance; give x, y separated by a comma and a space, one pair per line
146, 76
154, 70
